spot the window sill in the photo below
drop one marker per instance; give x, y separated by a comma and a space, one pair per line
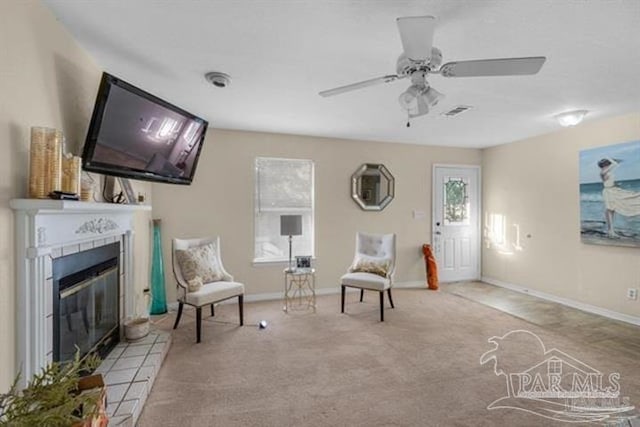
275, 263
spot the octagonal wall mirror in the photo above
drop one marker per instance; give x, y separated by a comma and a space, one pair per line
372, 186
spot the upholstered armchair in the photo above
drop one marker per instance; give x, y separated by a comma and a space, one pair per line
373, 267
197, 292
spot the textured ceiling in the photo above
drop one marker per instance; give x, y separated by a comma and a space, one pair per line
280, 54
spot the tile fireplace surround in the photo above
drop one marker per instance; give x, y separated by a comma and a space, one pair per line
47, 229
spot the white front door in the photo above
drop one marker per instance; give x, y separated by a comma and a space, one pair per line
456, 226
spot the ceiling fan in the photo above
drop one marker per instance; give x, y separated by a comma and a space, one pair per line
420, 59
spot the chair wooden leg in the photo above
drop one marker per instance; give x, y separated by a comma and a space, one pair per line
382, 306
390, 298
198, 323
180, 306
241, 308
361, 294
212, 311
343, 290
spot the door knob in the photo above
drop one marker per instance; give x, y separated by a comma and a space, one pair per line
438, 233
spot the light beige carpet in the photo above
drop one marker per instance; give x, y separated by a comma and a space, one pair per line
419, 368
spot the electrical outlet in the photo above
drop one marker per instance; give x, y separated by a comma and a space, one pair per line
632, 293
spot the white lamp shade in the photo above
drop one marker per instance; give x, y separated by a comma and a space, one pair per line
290, 225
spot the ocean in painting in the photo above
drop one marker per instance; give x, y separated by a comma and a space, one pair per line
593, 227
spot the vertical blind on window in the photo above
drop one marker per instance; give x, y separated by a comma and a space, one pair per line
283, 186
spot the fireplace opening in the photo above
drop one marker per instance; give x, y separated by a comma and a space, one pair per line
86, 309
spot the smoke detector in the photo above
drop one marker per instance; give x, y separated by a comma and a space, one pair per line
218, 79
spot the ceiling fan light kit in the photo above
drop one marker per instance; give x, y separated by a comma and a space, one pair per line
571, 118
420, 58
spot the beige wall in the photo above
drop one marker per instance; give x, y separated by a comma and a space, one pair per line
45, 80
220, 202
534, 183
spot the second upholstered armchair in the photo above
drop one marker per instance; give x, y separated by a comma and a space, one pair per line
373, 267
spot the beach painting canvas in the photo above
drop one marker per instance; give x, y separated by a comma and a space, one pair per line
610, 195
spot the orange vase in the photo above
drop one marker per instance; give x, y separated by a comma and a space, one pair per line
431, 266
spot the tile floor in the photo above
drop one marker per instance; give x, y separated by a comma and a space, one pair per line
129, 372
596, 330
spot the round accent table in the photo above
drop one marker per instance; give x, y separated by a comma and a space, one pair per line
299, 289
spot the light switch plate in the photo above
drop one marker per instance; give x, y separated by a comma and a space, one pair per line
418, 214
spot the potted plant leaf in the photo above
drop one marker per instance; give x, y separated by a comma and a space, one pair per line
58, 396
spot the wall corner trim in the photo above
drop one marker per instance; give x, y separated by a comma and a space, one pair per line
634, 320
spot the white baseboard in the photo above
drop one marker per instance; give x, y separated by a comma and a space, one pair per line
565, 301
273, 296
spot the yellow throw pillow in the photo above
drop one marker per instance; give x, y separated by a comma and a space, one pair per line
373, 265
200, 261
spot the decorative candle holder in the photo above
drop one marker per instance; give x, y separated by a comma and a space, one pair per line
45, 162
71, 170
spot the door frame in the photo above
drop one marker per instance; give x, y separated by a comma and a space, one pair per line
478, 169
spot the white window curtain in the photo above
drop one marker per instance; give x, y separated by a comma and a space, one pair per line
282, 187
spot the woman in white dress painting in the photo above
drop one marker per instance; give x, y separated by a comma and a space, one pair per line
616, 199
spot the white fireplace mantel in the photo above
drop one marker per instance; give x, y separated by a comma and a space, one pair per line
46, 229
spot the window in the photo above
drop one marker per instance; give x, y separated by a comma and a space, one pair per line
456, 201
283, 187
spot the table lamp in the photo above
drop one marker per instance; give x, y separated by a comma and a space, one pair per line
290, 225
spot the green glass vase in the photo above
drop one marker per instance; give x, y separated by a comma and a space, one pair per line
158, 292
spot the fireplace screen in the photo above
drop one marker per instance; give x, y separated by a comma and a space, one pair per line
86, 315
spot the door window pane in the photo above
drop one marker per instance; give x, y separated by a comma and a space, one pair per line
456, 201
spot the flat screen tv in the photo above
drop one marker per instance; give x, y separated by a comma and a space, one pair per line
134, 134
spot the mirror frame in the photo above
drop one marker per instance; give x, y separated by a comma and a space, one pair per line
356, 186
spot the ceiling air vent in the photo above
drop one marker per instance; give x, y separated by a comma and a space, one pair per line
459, 109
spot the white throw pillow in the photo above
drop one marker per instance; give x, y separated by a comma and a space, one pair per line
200, 261
195, 284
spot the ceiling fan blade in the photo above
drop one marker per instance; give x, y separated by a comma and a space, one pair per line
416, 33
493, 67
360, 85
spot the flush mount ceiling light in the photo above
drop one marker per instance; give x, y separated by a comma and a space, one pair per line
571, 118
218, 79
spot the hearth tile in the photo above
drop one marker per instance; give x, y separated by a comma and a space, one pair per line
127, 363
50, 357
121, 421
153, 360
98, 242
105, 366
86, 246
115, 393
56, 253
115, 353
145, 373
137, 390
109, 240
112, 407
120, 377
163, 337
158, 347
70, 249
127, 407
136, 350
